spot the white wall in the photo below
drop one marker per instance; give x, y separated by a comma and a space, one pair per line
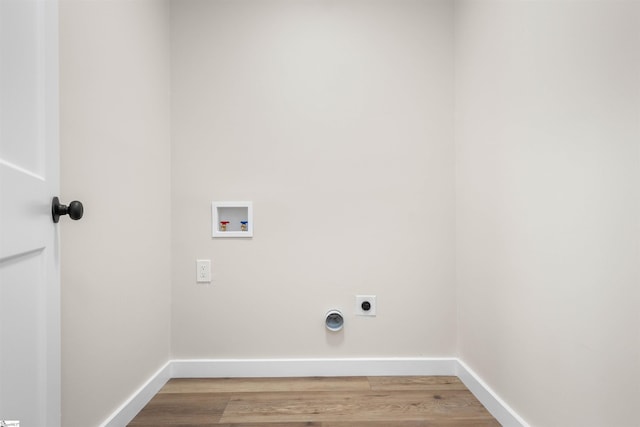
335, 119
116, 159
548, 173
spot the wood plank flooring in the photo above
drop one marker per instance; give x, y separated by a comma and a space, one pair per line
315, 402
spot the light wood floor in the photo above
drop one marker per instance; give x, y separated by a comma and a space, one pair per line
315, 402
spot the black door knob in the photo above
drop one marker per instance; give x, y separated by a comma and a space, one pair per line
74, 210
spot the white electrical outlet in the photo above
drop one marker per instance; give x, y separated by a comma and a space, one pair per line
203, 271
366, 305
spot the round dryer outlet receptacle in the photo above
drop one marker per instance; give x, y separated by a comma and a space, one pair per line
366, 305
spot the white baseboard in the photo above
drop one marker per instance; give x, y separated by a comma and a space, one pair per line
130, 408
243, 368
220, 368
497, 407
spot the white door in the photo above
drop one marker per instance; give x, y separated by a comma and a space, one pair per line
29, 261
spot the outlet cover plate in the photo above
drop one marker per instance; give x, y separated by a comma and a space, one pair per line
203, 271
371, 299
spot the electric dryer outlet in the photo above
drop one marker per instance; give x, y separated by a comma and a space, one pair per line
366, 305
